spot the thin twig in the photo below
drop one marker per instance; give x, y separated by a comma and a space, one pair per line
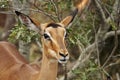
112, 64
110, 34
52, 17
114, 49
98, 2
6, 12
56, 10
96, 41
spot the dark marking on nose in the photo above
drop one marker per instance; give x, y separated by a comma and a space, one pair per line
64, 55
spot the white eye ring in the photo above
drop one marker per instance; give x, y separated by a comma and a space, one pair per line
65, 35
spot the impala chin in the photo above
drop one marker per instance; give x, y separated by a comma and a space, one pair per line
62, 62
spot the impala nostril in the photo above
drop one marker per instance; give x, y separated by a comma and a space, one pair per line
61, 54
64, 55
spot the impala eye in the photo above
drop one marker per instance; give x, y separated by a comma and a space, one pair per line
46, 36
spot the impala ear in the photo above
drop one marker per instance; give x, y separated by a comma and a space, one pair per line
26, 20
69, 19
79, 7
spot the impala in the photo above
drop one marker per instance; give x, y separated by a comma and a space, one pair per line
15, 67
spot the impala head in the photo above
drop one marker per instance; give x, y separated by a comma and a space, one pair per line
53, 34
54, 41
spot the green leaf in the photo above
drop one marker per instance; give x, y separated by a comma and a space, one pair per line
20, 32
112, 23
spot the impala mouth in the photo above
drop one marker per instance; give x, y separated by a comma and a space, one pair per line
62, 61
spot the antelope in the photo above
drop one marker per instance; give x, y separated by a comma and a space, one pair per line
13, 66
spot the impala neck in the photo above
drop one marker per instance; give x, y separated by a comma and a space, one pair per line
48, 68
